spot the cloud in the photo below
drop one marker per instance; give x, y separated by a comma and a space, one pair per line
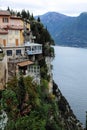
68, 7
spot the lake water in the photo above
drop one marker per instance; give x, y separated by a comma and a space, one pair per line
70, 73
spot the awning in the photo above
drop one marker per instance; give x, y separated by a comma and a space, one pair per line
25, 63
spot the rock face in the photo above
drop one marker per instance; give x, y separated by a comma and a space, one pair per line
3, 73
66, 115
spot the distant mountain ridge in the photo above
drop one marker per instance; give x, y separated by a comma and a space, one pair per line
66, 30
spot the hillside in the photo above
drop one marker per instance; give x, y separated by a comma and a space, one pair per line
66, 30
26, 104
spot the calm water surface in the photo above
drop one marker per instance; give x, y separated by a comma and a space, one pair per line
70, 73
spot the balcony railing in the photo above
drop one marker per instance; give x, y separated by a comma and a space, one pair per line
33, 48
34, 52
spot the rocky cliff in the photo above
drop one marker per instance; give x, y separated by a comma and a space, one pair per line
3, 72
66, 115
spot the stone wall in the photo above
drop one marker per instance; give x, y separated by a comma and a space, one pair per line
3, 73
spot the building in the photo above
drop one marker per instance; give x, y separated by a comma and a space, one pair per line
20, 53
11, 29
11, 34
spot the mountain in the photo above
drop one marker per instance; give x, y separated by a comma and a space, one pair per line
66, 30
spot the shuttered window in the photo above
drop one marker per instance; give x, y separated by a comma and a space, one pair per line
4, 42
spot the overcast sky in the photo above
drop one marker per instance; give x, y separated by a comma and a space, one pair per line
38, 7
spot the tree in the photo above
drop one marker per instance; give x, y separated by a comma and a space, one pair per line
28, 15
24, 14
42, 36
18, 14
32, 17
44, 69
32, 91
21, 91
13, 12
8, 9
38, 110
9, 103
38, 19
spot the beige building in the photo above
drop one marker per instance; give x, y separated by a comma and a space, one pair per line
12, 29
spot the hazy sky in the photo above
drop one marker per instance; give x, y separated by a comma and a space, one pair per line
37, 7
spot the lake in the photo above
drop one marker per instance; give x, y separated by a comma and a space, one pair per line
70, 74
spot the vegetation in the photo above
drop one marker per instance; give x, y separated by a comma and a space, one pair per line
43, 37
38, 109
30, 106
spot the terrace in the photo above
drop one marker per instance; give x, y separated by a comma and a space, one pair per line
33, 48
24, 66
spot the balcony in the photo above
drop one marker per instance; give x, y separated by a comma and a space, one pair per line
33, 48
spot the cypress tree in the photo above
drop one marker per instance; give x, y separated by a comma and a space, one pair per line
38, 19
21, 91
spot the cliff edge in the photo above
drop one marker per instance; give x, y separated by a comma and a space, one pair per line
66, 114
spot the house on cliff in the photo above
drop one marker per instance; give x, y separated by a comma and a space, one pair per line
18, 47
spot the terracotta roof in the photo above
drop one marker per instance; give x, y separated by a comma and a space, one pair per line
2, 31
25, 63
3, 12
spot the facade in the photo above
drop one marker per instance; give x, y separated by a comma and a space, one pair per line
11, 29
16, 32
4, 18
48, 61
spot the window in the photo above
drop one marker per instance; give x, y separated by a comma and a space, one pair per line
9, 52
33, 48
5, 20
29, 48
18, 52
